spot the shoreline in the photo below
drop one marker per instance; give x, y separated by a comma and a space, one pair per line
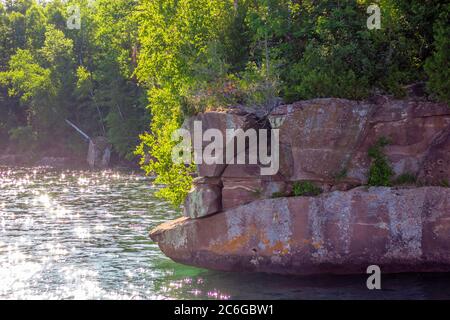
26, 160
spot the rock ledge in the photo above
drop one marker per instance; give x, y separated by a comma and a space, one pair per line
401, 230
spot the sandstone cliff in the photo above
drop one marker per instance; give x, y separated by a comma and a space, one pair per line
232, 222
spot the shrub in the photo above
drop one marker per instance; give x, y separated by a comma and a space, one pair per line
406, 179
305, 188
438, 65
380, 173
445, 184
252, 87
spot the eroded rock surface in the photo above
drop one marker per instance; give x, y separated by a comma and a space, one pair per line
235, 119
404, 230
348, 227
323, 138
320, 136
204, 199
326, 141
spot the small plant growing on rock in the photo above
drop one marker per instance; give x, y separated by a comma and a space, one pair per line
406, 179
380, 173
445, 184
305, 188
278, 195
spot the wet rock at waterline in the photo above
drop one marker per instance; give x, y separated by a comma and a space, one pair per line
401, 230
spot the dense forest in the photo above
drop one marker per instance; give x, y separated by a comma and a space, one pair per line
53, 70
137, 68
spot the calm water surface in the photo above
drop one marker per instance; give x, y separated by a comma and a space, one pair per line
84, 235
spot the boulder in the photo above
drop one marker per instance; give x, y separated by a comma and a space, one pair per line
243, 184
232, 119
237, 192
401, 230
99, 153
204, 199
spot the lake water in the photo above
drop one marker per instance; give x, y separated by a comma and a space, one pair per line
84, 235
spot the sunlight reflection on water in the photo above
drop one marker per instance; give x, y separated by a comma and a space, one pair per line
84, 235
79, 235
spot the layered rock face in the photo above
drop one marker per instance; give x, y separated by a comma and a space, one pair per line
404, 230
326, 142
324, 137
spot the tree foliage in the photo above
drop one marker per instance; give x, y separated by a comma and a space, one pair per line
50, 73
438, 64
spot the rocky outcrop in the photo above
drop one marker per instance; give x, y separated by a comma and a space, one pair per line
319, 137
324, 142
204, 199
233, 119
413, 127
325, 137
99, 153
339, 232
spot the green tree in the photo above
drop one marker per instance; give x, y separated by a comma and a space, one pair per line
35, 23
438, 64
175, 37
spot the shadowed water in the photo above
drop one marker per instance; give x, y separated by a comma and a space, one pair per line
84, 235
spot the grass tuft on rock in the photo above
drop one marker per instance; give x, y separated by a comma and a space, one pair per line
305, 188
381, 173
406, 179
